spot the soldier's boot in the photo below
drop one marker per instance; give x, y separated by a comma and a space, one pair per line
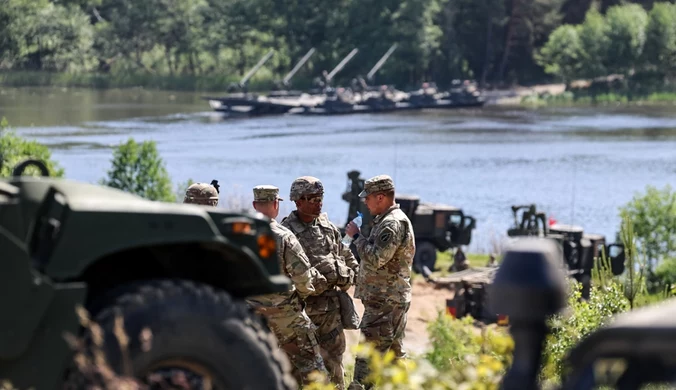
361, 372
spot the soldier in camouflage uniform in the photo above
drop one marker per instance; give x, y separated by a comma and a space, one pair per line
384, 278
284, 311
201, 193
321, 240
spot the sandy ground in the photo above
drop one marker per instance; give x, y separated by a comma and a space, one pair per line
425, 304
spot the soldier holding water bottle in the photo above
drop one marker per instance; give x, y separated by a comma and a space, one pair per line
384, 278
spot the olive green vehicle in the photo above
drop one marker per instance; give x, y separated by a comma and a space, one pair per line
437, 227
176, 274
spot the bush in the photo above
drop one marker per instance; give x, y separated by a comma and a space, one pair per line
462, 356
14, 149
578, 320
653, 217
139, 169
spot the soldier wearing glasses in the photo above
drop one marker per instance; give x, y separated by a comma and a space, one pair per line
320, 239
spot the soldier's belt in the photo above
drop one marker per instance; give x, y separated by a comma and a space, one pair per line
329, 336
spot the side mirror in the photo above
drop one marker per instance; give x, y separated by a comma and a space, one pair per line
617, 258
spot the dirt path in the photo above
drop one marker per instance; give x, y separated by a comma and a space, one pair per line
425, 304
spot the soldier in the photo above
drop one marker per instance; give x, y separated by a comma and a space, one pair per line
284, 311
321, 240
202, 193
384, 278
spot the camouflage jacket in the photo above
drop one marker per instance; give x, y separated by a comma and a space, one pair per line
306, 280
386, 258
321, 241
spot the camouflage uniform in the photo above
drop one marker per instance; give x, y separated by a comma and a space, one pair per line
321, 241
284, 311
384, 279
201, 193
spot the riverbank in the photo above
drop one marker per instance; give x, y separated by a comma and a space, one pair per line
530, 96
178, 83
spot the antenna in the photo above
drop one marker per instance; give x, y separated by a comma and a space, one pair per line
572, 203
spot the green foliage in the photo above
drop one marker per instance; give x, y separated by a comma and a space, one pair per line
461, 358
626, 40
561, 54
660, 48
138, 169
580, 319
666, 273
653, 216
188, 44
14, 149
635, 268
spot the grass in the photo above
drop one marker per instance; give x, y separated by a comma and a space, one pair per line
573, 99
445, 259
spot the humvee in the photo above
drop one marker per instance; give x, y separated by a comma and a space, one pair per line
437, 227
171, 277
633, 350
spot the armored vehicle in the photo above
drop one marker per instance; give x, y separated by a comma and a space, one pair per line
437, 227
580, 253
162, 285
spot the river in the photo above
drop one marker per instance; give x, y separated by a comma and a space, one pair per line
577, 164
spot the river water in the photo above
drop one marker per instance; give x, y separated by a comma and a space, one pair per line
577, 164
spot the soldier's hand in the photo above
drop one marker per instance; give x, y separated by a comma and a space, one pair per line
351, 229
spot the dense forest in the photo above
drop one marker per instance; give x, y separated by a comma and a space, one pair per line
496, 42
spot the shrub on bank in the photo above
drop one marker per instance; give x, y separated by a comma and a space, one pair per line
14, 149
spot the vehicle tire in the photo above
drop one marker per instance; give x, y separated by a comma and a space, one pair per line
425, 255
195, 332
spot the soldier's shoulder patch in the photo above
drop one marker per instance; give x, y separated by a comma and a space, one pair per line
385, 236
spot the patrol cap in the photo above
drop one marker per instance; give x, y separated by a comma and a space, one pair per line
377, 184
305, 185
266, 193
201, 193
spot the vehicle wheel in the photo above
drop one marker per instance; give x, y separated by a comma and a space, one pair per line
196, 334
425, 255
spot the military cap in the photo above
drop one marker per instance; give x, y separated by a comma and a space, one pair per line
305, 185
377, 184
201, 193
266, 193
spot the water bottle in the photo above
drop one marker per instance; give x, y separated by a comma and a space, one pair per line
347, 240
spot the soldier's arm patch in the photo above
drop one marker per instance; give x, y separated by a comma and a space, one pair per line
385, 237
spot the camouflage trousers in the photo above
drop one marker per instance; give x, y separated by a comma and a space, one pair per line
331, 337
297, 338
383, 325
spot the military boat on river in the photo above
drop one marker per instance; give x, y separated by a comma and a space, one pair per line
360, 97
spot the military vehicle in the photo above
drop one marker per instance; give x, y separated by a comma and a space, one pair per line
164, 282
437, 227
327, 99
581, 252
633, 350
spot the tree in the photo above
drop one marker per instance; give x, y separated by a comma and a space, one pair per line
660, 47
14, 149
626, 36
560, 55
139, 169
593, 43
653, 216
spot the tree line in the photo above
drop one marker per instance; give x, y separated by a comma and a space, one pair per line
491, 41
627, 40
